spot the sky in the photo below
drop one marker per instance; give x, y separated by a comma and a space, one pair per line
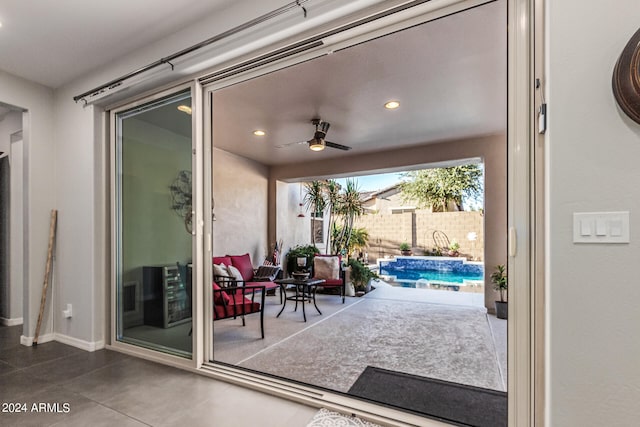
374, 182
384, 180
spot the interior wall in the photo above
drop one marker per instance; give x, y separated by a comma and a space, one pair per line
240, 191
39, 189
592, 166
491, 149
12, 275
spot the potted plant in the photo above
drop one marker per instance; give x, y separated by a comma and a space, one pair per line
499, 280
454, 249
405, 249
361, 275
307, 251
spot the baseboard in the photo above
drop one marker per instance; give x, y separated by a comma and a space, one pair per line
11, 322
28, 341
64, 339
78, 343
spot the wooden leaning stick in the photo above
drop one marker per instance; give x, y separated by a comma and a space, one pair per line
47, 272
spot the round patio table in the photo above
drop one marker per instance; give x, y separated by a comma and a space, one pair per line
305, 292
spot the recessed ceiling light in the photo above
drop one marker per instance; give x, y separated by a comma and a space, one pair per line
259, 132
391, 105
184, 109
0, 24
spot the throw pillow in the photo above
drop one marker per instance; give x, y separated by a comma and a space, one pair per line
220, 270
235, 274
327, 268
266, 273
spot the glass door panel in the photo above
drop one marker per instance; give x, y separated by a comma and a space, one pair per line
153, 225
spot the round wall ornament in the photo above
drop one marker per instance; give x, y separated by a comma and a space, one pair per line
181, 198
626, 78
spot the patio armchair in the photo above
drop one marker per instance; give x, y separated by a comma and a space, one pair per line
233, 302
329, 268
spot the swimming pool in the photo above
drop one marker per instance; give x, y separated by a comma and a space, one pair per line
449, 273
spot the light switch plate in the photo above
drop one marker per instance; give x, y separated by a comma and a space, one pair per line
601, 227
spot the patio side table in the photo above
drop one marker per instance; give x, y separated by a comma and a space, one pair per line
305, 292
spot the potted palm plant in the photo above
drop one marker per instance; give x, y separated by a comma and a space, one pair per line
499, 280
361, 276
405, 249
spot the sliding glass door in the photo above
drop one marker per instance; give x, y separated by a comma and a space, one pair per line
153, 224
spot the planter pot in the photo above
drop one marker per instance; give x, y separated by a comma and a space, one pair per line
405, 253
501, 309
349, 290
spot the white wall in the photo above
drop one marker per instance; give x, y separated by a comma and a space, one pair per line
12, 291
592, 165
240, 190
39, 186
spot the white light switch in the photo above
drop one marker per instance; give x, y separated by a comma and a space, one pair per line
615, 228
585, 227
601, 227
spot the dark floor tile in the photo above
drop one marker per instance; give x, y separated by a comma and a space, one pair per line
5, 368
62, 370
98, 416
23, 357
10, 331
17, 384
46, 407
10, 336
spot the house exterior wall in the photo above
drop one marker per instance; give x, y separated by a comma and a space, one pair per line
240, 190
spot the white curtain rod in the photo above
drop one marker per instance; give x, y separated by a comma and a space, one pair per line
167, 60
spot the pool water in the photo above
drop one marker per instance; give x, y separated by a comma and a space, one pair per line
430, 275
433, 273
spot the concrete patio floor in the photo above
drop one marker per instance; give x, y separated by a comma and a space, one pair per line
433, 333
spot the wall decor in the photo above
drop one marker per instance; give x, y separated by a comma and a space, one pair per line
626, 78
181, 198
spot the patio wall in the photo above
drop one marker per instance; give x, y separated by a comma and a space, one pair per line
387, 231
240, 188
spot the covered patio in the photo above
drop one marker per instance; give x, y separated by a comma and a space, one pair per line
398, 329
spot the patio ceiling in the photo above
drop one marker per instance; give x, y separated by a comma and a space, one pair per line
449, 76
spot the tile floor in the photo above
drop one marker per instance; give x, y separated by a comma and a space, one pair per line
106, 388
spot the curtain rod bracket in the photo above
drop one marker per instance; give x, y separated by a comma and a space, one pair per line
304, 9
166, 61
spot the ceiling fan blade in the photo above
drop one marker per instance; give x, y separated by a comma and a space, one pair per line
290, 144
338, 146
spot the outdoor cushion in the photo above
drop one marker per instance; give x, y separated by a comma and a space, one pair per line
326, 267
234, 308
220, 297
222, 260
243, 264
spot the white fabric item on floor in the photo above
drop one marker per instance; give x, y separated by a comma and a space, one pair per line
327, 418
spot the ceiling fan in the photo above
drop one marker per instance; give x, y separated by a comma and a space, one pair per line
318, 143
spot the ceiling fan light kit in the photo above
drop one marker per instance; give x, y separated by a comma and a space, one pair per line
316, 144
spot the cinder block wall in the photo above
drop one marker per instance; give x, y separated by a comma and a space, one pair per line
388, 231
